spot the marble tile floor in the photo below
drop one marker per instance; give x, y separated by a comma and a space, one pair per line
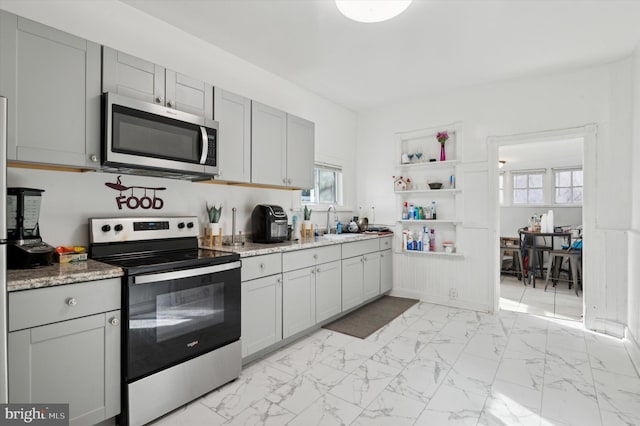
556, 302
434, 365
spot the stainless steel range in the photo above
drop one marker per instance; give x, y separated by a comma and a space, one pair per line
182, 310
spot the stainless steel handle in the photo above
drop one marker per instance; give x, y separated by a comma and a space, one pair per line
289, 181
170, 103
313, 271
315, 256
381, 255
279, 280
262, 266
72, 301
93, 158
284, 180
159, 100
365, 258
187, 273
318, 270
205, 144
362, 260
114, 321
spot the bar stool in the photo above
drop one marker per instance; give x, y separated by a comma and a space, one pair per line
512, 246
575, 265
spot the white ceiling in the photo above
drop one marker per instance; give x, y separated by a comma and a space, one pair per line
434, 46
559, 153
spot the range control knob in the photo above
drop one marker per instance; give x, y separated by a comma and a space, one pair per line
117, 228
190, 225
181, 225
106, 228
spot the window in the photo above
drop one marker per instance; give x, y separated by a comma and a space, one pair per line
501, 188
528, 188
327, 186
568, 186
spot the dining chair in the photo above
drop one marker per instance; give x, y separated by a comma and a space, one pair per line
510, 246
557, 258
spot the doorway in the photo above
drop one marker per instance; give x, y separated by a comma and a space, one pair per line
532, 174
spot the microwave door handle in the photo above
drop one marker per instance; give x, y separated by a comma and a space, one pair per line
205, 145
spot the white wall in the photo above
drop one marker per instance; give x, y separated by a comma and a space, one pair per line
513, 218
598, 94
122, 27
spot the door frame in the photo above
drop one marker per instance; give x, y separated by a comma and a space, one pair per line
588, 133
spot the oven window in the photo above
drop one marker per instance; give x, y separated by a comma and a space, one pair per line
188, 310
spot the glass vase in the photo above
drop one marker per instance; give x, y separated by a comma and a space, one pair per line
443, 156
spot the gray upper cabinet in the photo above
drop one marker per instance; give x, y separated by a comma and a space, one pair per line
268, 145
300, 152
233, 113
139, 79
282, 148
52, 82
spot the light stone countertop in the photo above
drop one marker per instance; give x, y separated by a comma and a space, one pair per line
57, 274
250, 249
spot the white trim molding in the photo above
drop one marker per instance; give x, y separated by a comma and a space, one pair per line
633, 348
455, 303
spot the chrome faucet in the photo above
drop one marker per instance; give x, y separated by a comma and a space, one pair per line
328, 211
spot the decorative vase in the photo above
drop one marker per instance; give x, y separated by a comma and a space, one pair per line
307, 224
443, 156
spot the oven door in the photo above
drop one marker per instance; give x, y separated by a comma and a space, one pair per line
143, 135
174, 316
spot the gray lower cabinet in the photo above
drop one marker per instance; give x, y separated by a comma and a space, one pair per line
233, 113
298, 301
75, 362
352, 282
328, 290
136, 78
64, 347
52, 82
371, 275
386, 271
261, 313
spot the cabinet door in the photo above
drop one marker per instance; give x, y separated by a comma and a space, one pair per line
298, 301
300, 152
233, 113
75, 362
371, 275
261, 313
188, 94
133, 77
386, 271
268, 145
52, 82
328, 290
352, 282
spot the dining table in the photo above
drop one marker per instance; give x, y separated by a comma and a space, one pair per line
529, 240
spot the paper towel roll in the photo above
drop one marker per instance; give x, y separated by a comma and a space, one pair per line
550, 225
543, 223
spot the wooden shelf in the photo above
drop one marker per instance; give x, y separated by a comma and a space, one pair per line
433, 253
429, 191
430, 164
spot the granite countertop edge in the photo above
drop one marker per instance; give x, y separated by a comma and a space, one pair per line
250, 249
60, 274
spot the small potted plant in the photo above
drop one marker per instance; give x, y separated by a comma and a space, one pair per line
307, 217
214, 214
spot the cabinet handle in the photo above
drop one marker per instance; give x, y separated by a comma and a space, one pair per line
362, 260
381, 255
284, 180
114, 321
289, 181
279, 280
313, 271
315, 256
365, 259
318, 270
170, 103
159, 99
72, 301
93, 158
262, 266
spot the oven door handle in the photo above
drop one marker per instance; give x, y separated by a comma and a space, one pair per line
186, 273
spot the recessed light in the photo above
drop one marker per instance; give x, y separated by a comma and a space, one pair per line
370, 11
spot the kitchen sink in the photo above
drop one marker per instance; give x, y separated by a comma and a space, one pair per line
338, 236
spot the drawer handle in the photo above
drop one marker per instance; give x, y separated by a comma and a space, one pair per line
318, 270
365, 259
313, 271
114, 321
381, 255
72, 301
262, 266
279, 280
362, 260
315, 256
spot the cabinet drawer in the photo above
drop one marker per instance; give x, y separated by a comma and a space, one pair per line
386, 243
30, 308
358, 248
261, 266
304, 258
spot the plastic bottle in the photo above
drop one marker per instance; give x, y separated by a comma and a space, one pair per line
420, 213
433, 210
412, 212
410, 241
425, 239
432, 240
405, 211
339, 228
550, 225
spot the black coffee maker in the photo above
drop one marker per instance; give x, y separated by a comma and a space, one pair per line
25, 248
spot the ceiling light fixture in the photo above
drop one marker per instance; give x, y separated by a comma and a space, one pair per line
369, 11
501, 163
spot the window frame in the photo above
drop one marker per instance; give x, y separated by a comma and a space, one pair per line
338, 183
571, 187
528, 173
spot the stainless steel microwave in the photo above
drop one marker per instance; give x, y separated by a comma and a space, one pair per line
145, 138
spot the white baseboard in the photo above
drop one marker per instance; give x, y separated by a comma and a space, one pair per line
424, 297
633, 348
609, 327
